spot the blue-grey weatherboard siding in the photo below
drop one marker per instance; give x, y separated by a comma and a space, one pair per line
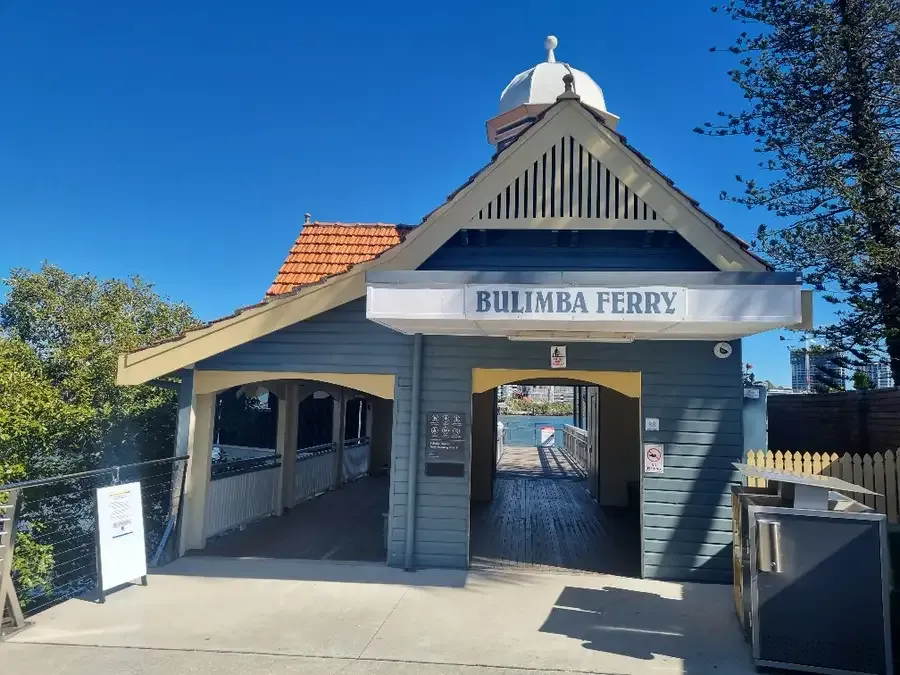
342, 340
696, 396
589, 250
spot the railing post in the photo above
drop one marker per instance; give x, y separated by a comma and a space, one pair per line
8, 596
338, 430
288, 411
413, 479
369, 421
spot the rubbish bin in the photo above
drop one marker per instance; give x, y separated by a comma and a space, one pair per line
811, 575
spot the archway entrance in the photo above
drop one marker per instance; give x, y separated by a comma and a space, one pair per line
556, 470
323, 471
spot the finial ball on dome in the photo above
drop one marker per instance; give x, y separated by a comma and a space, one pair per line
550, 43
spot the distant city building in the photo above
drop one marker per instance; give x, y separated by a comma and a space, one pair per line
815, 369
879, 374
540, 393
562, 394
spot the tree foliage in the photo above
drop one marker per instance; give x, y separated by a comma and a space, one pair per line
60, 409
64, 333
822, 83
862, 381
527, 406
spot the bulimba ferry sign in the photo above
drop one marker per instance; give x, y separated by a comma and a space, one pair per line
649, 303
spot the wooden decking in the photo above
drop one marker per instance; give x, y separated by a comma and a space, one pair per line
345, 524
542, 516
531, 462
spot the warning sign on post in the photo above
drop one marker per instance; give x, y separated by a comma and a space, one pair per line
557, 357
654, 457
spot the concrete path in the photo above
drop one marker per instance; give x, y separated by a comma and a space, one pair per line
219, 615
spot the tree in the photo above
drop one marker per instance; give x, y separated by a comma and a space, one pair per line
822, 82
40, 434
749, 375
74, 327
61, 411
862, 381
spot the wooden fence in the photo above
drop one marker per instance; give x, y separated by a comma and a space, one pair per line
857, 421
877, 472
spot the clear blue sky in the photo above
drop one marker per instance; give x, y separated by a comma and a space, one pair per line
184, 140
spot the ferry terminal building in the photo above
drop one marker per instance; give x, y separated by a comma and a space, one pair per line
568, 237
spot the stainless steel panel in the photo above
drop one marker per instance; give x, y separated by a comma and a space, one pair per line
821, 604
769, 546
782, 476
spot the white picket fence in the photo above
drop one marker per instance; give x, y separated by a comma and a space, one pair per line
879, 473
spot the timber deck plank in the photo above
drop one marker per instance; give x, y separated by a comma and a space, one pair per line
542, 516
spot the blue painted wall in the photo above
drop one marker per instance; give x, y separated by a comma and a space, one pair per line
756, 419
697, 397
698, 400
588, 250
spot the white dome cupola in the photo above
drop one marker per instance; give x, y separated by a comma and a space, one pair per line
532, 91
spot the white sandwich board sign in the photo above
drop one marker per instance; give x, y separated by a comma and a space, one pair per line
121, 550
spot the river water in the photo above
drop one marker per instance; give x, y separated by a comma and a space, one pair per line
525, 430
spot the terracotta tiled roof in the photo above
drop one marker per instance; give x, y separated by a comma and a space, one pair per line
326, 249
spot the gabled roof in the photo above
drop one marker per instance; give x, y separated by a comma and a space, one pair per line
417, 244
325, 249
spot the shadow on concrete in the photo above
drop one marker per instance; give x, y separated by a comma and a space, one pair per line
697, 628
329, 571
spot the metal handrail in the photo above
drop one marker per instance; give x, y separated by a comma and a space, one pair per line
575, 444
39, 482
72, 541
237, 467
315, 450
242, 447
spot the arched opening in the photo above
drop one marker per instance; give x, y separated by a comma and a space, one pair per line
315, 453
555, 474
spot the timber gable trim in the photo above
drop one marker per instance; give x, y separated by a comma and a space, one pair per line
565, 119
566, 181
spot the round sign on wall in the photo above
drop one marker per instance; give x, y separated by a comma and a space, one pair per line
722, 350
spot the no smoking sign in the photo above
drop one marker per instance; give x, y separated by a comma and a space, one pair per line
654, 457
